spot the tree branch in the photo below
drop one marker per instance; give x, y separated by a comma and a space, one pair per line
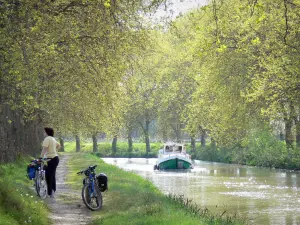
286, 22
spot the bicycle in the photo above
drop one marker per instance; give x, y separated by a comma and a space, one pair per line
92, 187
38, 174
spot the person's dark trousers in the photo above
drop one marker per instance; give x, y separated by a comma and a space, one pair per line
50, 174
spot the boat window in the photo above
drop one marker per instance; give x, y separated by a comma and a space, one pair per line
169, 148
178, 148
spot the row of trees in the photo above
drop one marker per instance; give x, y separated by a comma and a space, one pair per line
61, 62
229, 70
247, 58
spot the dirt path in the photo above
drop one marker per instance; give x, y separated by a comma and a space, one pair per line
67, 206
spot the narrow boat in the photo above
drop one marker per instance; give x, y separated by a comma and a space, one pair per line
173, 156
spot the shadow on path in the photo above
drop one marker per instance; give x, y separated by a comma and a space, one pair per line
67, 206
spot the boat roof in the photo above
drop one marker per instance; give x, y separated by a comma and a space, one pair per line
173, 144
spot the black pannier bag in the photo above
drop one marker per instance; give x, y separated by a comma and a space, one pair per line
102, 182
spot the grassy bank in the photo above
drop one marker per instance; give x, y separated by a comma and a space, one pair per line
105, 149
18, 203
133, 200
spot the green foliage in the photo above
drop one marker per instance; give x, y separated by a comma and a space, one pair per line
62, 62
263, 149
18, 203
246, 69
98, 66
266, 150
214, 154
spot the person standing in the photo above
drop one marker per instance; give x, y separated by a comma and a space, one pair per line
50, 147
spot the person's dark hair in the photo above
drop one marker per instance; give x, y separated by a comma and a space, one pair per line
49, 131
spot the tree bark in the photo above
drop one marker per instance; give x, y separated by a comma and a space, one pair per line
178, 133
165, 139
95, 143
288, 120
203, 140
18, 136
296, 117
114, 145
147, 139
213, 143
193, 144
78, 148
289, 139
130, 148
297, 124
62, 144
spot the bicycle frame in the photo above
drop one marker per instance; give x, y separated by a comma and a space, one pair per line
90, 195
40, 177
92, 189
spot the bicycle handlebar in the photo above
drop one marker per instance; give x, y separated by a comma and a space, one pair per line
91, 168
40, 160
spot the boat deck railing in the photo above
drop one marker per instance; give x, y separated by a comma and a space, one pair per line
169, 154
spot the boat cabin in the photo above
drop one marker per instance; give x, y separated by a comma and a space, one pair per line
170, 148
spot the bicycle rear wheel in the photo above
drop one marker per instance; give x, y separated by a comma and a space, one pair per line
41, 185
92, 200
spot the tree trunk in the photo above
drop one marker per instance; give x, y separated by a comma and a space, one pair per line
213, 143
95, 144
297, 124
164, 133
296, 117
114, 145
193, 144
203, 140
202, 137
147, 140
289, 139
288, 120
62, 144
178, 133
130, 148
18, 136
77, 143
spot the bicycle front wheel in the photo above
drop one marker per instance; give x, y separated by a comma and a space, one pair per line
92, 200
41, 185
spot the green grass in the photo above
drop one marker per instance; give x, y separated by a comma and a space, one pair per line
131, 199
18, 203
105, 149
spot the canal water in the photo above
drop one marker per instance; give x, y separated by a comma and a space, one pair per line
262, 196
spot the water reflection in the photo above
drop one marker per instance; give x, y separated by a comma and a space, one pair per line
263, 196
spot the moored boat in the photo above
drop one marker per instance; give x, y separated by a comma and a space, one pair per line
173, 156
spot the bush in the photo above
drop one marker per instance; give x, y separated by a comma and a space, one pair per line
265, 150
261, 148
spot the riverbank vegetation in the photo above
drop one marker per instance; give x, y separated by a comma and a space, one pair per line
104, 149
19, 203
225, 75
265, 151
131, 199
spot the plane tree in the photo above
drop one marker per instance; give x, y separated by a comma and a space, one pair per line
51, 49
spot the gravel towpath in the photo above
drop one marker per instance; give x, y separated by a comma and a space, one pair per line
67, 207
